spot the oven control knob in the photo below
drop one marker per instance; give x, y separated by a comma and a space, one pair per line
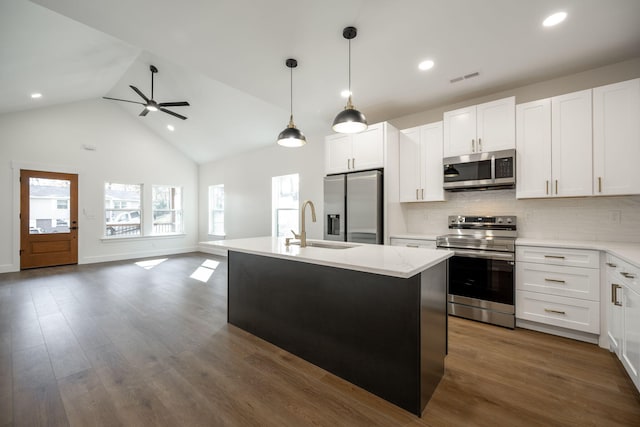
509, 220
499, 220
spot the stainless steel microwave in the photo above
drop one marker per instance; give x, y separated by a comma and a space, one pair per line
480, 171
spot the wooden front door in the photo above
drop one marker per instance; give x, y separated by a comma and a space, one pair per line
48, 219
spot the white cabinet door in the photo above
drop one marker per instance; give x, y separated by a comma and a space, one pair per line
614, 308
338, 153
496, 125
631, 334
616, 138
368, 148
533, 147
432, 172
572, 147
460, 131
410, 165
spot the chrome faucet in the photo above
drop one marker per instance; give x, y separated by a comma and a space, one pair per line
303, 232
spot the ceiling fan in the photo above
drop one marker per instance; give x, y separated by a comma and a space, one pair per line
151, 104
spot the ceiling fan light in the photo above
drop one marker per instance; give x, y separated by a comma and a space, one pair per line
151, 108
350, 120
291, 137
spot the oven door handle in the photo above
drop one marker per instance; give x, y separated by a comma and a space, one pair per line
501, 256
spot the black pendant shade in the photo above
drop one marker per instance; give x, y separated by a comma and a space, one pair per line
291, 136
350, 120
450, 171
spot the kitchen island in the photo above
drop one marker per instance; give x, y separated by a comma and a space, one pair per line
371, 314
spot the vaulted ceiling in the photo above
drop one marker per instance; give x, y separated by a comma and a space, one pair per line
226, 57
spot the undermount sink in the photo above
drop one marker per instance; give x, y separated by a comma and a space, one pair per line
325, 245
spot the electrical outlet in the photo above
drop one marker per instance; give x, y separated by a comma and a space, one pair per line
615, 217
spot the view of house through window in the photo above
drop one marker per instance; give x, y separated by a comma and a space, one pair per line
49, 205
285, 204
167, 209
216, 210
122, 209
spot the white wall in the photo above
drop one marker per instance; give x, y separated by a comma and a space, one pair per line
247, 187
582, 218
126, 151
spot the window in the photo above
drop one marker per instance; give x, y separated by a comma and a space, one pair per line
167, 209
285, 204
216, 210
120, 220
62, 204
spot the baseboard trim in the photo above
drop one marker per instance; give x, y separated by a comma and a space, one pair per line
8, 268
135, 255
556, 330
208, 249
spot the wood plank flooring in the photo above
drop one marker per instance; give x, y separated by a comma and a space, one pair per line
118, 344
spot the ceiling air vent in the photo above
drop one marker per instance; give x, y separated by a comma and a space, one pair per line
465, 77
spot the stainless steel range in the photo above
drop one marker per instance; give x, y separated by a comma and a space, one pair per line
481, 274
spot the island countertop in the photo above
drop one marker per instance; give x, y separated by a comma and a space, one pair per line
396, 261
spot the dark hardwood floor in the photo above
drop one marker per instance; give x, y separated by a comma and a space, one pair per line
119, 344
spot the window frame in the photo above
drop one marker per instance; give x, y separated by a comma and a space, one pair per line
211, 223
177, 214
119, 211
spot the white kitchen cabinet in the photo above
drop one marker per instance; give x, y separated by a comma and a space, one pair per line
558, 287
533, 148
480, 128
421, 163
616, 138
572, 144
354, 152
624, 314
554, 147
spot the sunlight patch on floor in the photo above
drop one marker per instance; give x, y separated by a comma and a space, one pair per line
206, 269
150, 263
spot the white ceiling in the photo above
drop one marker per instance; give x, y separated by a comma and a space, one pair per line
226, 57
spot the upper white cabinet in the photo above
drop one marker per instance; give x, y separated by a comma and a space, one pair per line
616, 138
554, 147
480, 128
421, 163
353, 152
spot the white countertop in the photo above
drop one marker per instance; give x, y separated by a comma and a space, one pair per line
629, 252
416, 236
396, 261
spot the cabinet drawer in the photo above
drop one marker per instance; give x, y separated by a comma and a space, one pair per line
621, 272
570, 313
572, 282
413, 243
558, 256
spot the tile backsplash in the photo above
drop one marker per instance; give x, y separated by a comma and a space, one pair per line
581, 218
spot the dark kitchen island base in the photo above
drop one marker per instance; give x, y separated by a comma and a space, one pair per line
385, 334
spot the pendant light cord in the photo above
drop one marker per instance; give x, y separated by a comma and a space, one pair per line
291, 90
349, 68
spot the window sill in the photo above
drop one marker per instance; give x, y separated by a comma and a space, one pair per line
134, 238
217, 236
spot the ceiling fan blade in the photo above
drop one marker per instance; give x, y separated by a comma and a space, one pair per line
142, 95
144, 112
174, 104
124, 100
173, 114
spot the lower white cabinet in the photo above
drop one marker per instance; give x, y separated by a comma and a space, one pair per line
413, 243
623, 280
558, 287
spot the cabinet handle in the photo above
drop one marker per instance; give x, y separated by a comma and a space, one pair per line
416, 194
479, 144
628, 275
548, 310
599, 184
555, 281
554, 256
353, 162
610, 264
412, 245
614, 294
422, 194
556, 186
348, 163
546, 188
473, 145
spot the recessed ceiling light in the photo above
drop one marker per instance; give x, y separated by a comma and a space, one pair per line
345, 93
426, 65
36, 95
554, 19
171, 128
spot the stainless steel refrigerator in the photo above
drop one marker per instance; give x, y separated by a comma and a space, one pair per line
353, 207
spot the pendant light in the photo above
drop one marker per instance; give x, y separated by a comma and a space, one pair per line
349, 120
291, 136
450, 171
